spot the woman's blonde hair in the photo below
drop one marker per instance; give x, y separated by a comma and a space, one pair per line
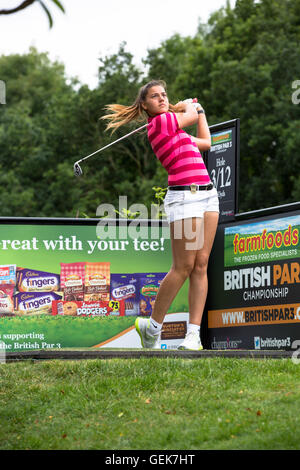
120, 114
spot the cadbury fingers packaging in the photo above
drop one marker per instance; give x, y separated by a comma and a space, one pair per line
126, 287
31, 280
34, 303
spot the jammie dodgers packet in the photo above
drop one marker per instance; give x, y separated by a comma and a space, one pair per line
99, 308
97, 281
72, 280
31, 280
126, 287
149, 284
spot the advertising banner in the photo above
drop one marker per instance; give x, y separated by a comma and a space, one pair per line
256, 272
81, 283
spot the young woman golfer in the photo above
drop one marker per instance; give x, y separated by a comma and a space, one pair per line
191, 203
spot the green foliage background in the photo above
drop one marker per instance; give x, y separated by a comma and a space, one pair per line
242, 63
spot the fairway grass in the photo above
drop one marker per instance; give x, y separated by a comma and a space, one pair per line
150, 403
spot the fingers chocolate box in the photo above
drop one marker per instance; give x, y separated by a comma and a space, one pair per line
31, 280
34, 303
125, 287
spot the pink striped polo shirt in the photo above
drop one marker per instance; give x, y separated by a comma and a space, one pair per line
176, 151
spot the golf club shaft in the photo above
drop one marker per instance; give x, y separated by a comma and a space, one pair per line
114, 142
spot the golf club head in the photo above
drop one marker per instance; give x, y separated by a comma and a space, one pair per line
77, 169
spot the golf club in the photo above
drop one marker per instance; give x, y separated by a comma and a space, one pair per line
77, 167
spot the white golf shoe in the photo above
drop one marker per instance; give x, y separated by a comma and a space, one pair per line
147, 340
191, 342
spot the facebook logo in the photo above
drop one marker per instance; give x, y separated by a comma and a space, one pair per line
256, 342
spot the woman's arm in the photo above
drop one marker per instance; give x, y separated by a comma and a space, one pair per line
203, 139
188, 117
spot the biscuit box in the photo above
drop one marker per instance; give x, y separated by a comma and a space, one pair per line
97, 281
8, 274
126, 287
34, 303
72, 280
149, 284
6, 299
99, 308
31, 280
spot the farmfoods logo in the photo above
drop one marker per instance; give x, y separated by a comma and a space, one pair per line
221, 137
254, 242
265, 240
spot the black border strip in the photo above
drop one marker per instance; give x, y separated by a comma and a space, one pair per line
78, 221
139, 353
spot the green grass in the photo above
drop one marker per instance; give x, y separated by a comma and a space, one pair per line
150, 403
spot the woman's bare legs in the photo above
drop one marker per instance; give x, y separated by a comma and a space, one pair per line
185, 237
198, 276
188, 262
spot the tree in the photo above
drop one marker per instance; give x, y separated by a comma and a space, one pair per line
29, 147
27, 3
48, 124
242, 64
255, 60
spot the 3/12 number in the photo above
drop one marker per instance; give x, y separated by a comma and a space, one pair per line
221, 177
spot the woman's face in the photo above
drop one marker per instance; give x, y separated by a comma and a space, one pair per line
156, 101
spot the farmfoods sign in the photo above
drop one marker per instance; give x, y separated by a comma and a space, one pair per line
256, 242
259, 282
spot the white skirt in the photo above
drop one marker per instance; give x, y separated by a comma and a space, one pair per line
185, 204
